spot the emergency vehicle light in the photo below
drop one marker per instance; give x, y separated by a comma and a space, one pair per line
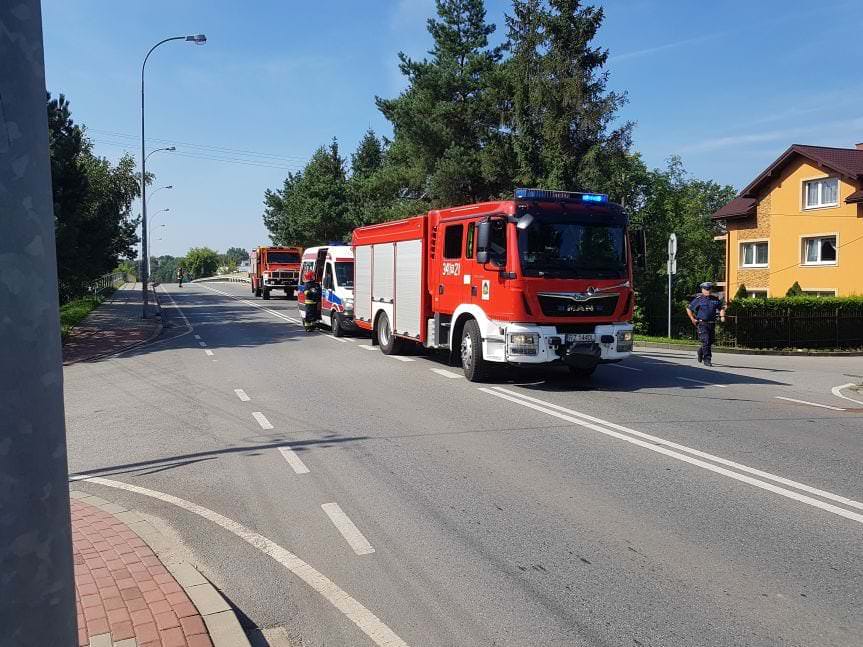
546, 194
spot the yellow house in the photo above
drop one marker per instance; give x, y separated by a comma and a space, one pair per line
800, 220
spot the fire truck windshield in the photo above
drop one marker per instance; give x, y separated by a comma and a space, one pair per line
345, 274
283, 257
562, 247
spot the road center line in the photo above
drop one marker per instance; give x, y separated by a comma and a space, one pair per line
689, 379
262, 420
367, 622
349, 531
366, 346
660, 445
628, 368
338, 339
811, 404
242, 395
293, 460
401, 358
208, 351
445, 373
837, 391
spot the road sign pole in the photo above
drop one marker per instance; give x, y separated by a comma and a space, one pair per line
37, 586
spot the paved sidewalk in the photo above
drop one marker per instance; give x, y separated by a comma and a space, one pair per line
114, 326
125, 595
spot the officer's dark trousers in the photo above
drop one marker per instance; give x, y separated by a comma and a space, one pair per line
706, 333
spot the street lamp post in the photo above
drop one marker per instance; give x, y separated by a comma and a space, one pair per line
198, 39
156, 215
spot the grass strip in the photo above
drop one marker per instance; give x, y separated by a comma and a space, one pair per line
72, 313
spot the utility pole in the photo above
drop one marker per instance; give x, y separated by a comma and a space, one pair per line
37, 586
672, 270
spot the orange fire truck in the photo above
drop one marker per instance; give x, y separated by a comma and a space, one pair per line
543, 278
275, 268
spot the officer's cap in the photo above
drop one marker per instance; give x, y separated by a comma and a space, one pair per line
707, 285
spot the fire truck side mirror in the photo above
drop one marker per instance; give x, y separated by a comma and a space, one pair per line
638, 246
483, 235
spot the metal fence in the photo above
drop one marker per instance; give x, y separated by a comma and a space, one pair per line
107, 281
839, 329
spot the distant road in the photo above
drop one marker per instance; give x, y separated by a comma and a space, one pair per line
344, 497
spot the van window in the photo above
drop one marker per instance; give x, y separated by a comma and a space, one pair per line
328, 277
308, 266
452, 241
468, 246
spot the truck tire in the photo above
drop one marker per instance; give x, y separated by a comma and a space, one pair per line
476, 369
254, 292
266, 294
290, 294
336, 325
389, 343
257, 291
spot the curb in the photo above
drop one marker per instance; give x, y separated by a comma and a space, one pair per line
156, 333
752, 351
221, 621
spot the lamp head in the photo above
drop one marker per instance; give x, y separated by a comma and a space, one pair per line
170, 186
171, 148
198, 39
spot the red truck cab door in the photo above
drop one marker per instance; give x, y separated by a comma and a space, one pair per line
452, 286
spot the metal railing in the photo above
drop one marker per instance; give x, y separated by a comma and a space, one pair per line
106, 281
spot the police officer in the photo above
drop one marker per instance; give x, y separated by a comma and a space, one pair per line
703, 312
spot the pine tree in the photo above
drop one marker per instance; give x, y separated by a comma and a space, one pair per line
369, 156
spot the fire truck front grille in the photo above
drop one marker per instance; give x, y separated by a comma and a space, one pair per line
567, 306
284, 275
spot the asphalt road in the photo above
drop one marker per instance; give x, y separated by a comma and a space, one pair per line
348, 498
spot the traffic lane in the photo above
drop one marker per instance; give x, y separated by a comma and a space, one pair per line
413, 467
435, 473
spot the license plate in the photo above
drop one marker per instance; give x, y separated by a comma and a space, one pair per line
580, 338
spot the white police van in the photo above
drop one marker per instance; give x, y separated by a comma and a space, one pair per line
333, 267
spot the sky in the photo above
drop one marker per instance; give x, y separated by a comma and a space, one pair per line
727, 85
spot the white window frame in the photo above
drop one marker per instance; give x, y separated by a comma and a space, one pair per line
754, 241
764, 290
803, 239
820, 204
812, 291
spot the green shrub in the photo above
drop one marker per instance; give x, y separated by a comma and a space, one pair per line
795, 290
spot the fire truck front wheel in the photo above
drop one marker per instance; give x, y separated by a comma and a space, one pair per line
266, 293
389, 343
476, 369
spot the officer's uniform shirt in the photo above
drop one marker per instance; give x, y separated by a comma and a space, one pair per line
705, 308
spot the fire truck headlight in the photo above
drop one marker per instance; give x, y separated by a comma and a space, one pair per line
523, 343
349, 304
624, 340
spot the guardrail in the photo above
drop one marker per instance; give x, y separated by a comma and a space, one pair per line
112, 280
230, 278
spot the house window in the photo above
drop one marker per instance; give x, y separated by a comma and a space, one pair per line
820, 293
452, 241
753, 254
756, 294
819, 251
821, 193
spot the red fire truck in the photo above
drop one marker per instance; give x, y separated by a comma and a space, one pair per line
275, 268
543, 278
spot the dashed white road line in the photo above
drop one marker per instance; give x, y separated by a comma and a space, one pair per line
338, 339
242, 395
293, 460
662, 446
811, 404
366, 347
837, 391
628, 368
350, 532
445, 373
401, 358
208, 351
262, 420
689, 379
367, 622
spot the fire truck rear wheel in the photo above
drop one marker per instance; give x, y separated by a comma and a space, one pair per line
389, 343
266, 294
476, 369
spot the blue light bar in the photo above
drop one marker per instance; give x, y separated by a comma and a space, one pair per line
546, 194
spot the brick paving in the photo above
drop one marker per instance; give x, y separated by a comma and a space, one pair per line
123, 590
111, 327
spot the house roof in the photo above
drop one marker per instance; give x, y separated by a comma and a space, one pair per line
847, 162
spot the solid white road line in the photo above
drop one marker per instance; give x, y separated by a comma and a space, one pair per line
338, 339
242, 395
402, 359
811, 404
689, 379
660, 445
202, 344
262, 420
367, 347
628, 368
367, 622
208, 351
350, 532
445, 373
294, 461
837, 391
